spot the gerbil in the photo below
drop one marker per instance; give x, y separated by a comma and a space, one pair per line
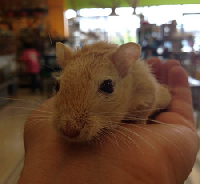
100, 85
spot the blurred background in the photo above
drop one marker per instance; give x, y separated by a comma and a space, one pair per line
29, 30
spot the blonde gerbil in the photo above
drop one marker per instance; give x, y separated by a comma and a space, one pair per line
100, 85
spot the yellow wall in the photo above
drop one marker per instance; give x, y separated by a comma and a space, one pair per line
56, 17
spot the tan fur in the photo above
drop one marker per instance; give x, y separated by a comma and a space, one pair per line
79, 105
147, 93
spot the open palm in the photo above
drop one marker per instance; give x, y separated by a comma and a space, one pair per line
161, 152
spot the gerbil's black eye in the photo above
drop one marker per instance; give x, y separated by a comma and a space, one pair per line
107, 86
57, 87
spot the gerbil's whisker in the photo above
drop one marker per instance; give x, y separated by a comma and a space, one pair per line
126, 129
115, 145
125, 142
110, 133
102, 150
105, 133
50, 38
26, 108
51, 68
23, 115
162, 136
37, 123
153, 120
134, 142
102, 136
22, 100
39, 120
41, 102
146, 110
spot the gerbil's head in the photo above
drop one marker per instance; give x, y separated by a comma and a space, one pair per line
94, 88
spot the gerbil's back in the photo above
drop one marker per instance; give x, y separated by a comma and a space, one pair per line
144, 85
148, 93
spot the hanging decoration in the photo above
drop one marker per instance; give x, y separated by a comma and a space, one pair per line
114, 5
133, 4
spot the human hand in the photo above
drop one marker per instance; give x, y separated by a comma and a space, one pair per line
143, 154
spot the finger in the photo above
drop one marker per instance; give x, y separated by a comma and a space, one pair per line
182, 108
172, 118
155, 64
166, 68
178, 78
178, 84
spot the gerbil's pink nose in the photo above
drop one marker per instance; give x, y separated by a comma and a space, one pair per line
71, 132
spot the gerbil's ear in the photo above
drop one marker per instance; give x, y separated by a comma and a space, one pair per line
125, 56
63, 54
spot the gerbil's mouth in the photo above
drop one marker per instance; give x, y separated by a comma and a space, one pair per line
71, 133
77, 131
84, 134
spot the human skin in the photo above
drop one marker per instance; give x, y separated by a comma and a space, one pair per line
138, 154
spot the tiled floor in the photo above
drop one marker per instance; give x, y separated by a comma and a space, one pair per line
12, 119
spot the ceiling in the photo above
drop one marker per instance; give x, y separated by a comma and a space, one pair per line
78, 4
